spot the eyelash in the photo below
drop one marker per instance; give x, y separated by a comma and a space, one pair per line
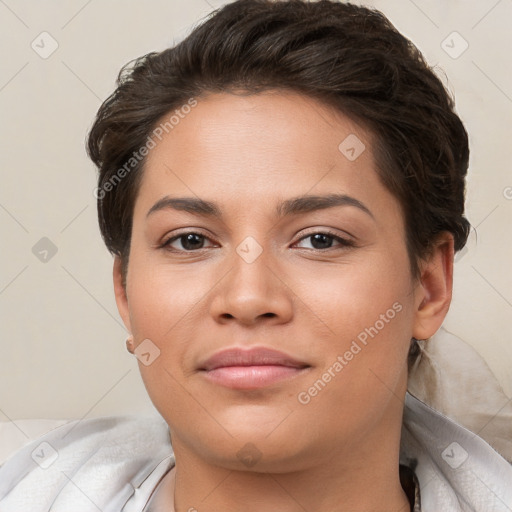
344, 242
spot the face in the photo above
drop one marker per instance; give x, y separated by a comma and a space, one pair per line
276, 301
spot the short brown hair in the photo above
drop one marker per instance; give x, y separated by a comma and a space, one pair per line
347, 56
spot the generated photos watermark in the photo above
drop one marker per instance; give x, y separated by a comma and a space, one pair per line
357, 345
139, 155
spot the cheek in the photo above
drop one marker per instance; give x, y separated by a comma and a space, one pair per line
352, 297
164, 306
364, 369
369, 310
160, 298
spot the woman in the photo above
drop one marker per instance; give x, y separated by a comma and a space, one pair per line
283, 192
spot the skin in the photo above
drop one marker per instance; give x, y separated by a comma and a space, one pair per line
338, 452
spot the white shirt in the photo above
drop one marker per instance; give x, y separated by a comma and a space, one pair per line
114, 464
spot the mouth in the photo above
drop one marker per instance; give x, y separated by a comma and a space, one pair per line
251, 368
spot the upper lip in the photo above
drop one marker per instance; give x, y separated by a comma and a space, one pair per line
258, 356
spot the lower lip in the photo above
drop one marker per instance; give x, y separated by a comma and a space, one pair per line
251, 377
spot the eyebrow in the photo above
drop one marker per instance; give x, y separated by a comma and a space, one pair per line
293, 206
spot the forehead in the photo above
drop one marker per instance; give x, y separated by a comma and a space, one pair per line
257, 147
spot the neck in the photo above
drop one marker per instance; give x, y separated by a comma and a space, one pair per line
362, 477
298, 492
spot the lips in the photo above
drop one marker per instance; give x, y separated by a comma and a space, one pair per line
251, 368
251, 357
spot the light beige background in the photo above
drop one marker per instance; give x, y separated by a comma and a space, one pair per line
62, 342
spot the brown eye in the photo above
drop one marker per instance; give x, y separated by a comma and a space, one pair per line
324, 240
189, 242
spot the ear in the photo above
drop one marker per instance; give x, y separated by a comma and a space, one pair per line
433, 293
120, 293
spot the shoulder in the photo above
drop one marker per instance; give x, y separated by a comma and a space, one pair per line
100, 461
457, 470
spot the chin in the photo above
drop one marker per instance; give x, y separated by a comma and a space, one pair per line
245, 453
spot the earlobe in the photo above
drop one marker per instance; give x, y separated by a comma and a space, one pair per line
120, 293
434, 290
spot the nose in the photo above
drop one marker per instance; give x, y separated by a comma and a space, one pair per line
252, 292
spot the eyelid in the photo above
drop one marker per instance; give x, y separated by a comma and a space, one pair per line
327, 231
